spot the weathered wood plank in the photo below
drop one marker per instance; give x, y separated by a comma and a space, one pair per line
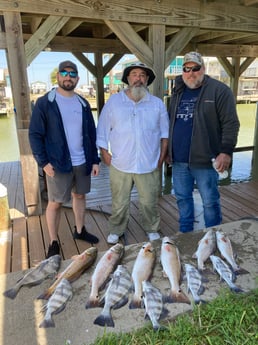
20, 260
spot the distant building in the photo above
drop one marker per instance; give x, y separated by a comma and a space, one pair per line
38, 87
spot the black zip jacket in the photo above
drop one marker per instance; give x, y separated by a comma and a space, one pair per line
215, 121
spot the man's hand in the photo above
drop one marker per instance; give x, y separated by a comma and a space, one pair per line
223, 161
49, 170
95, 170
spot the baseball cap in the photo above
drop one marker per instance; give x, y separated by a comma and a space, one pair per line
148, 70
66, 64
193, 57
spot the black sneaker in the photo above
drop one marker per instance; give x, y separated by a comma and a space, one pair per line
53, 249
85, 236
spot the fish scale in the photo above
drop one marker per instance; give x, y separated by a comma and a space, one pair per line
225, 272
46, 269
115, 296
57, 302
194, 283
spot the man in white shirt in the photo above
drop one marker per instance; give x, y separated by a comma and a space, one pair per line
132, 134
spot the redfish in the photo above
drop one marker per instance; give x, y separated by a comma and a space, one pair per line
142, 270
171, 264
106, 265
78, 265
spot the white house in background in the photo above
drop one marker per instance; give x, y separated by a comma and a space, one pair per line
38, 87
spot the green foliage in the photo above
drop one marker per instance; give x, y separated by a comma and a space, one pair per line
229, 319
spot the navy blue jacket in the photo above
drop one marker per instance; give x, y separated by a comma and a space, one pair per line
215, 121
47, 135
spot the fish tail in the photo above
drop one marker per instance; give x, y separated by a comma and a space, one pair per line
179, 297
45, 295
104, 320
236, 289
47, 323
199, 301
11, 293
241, 270
135, 303
92, 303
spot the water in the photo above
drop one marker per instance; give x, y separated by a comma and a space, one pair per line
241, 168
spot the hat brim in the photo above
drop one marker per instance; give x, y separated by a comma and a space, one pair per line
149, 72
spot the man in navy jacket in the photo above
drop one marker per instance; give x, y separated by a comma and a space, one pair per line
62, 136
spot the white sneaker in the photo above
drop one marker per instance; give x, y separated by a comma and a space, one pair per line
153, 236
112, 238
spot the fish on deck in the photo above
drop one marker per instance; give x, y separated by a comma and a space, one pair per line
171, 264
78, 265
47, 268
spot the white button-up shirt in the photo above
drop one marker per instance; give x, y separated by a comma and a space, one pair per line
133, 132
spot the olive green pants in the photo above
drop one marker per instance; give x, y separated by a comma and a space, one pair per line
148, 188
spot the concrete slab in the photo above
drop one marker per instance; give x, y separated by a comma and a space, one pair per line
20, 318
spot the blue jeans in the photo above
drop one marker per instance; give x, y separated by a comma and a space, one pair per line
206, 180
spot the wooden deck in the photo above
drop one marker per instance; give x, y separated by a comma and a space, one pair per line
25, 244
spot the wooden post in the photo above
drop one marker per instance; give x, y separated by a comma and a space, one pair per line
255, 153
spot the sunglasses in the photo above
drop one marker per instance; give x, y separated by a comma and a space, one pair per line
193, 69
72, 74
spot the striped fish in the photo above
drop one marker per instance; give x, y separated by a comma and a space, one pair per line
115, 296
194, 283
226, 251
225, 272
57, 302
153, 303
46, 269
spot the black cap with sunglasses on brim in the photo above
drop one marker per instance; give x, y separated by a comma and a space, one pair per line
67, 64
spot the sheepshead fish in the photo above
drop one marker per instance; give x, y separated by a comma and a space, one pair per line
106, 265
57, 302
171, 264
194, 283
153, 303
206, 247
115, 296
46, 269
225, 272
142, 270
78, 265
226, 251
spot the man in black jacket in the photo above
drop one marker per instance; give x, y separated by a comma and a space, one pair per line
203, 126
62, 136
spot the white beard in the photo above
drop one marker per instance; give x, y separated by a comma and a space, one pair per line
138, 92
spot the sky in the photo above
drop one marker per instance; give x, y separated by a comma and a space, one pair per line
41, 67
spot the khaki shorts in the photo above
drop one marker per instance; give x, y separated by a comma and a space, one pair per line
62, 185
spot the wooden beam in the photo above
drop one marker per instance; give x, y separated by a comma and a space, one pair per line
203, 14
45, 33
86, 62
17, 68
132, 40
226, 65
224, 50
178, 42
111, 63
157, 41
245, 64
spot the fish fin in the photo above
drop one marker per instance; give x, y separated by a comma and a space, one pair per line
11, 293
61, 308
241, 271
201, 290
123, 301
104, 320
194, 256
135, 303
179, 297
47, 323
236, 289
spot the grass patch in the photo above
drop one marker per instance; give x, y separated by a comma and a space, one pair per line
229, 319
